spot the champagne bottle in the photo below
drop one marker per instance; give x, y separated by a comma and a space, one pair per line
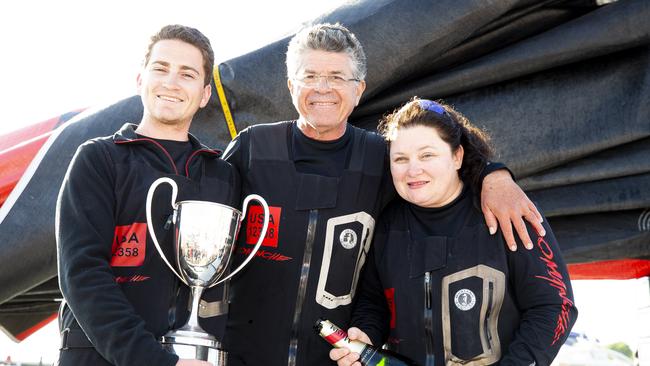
368, 354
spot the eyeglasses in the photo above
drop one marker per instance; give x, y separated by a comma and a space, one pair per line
332, 81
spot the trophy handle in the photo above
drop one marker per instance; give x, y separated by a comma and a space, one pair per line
152, 233
262, 234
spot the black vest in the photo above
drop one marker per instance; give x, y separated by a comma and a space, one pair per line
309, 264
448, 296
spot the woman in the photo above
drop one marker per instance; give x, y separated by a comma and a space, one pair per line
437, 286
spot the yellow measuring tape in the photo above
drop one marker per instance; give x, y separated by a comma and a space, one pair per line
224, 103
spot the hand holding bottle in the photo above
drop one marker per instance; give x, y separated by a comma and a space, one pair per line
343, 356
360, 351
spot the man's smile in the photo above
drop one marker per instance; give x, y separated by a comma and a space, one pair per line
169, 98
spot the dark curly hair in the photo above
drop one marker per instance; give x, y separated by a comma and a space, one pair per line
188, 35
453, 128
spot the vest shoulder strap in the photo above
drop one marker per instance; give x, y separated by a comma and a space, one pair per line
261, 135
368, 152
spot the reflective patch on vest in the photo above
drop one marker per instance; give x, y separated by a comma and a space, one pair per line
343, 257
470, 336
255, 222
129, 245
465, 299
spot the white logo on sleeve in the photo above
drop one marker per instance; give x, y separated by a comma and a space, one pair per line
348, 238
465, 299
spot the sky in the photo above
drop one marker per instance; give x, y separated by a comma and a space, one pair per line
59, 56
64, 55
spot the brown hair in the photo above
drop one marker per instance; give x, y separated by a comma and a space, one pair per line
188, 35
453, 128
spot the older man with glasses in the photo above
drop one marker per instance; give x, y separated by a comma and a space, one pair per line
325, 182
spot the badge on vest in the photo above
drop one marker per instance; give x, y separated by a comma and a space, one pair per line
348, 238
465, 299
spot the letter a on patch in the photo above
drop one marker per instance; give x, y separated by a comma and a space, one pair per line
129, 245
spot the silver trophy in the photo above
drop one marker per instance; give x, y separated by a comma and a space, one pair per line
204, 239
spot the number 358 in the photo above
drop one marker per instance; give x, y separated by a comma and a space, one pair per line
126, 252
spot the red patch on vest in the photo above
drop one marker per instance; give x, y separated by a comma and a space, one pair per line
129, 245
255, 222
390, 299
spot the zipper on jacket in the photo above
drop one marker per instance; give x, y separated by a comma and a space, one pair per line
302, 287
169, 157
488, 314
428, 320
194, 153
171, 312
427, 290
169, 222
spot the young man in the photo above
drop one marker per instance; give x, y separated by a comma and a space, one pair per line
325, 182
119, 295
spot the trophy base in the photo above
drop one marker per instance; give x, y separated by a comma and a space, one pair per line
194, 345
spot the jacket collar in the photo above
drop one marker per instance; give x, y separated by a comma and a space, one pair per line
126, 135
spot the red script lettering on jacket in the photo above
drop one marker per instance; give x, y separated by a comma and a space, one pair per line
556, 280
270, 256
136, 278
129, 245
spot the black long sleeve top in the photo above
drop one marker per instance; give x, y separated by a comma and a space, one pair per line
437, 287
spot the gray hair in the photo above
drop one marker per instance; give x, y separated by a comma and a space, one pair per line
326, 37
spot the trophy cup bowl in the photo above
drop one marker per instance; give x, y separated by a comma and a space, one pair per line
204, 239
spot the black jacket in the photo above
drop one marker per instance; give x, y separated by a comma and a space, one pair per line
464, 298
116, 287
